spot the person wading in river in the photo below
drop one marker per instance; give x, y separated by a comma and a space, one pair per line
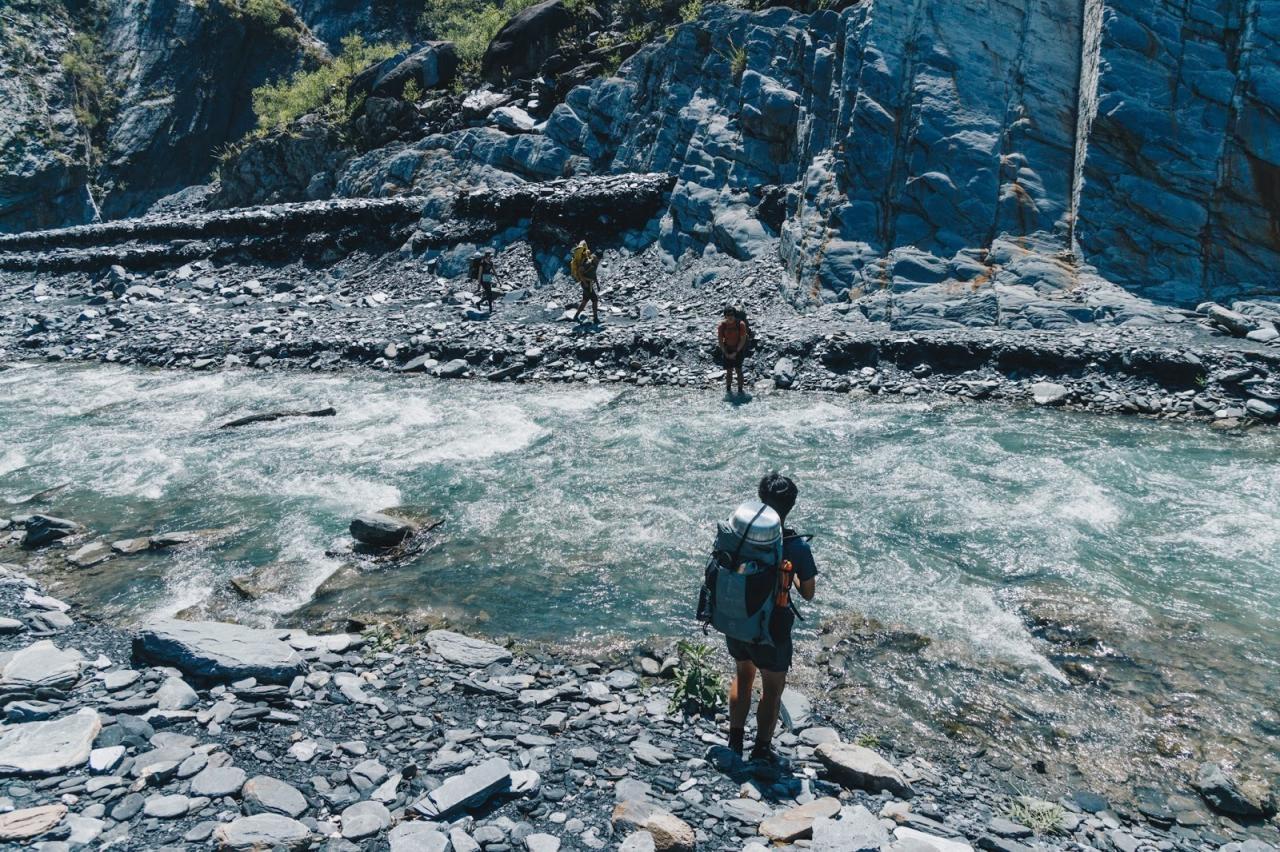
731, 337
582, 265
756, 561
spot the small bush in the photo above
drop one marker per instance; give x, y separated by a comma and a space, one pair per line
691, 11
85, 67
322, 91
1040, 817
698, 685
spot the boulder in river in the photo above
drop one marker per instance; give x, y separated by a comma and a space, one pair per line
46, 529
380, 530
212, 650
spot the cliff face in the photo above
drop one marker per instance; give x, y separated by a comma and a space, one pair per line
1181, 197
884, 149
177, 77
43, 146
911, 135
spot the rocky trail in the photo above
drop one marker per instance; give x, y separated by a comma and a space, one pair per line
180, 734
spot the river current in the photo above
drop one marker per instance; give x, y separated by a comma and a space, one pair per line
1102, 585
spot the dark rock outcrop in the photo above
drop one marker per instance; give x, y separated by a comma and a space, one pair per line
428, 65
525, 42
298, 165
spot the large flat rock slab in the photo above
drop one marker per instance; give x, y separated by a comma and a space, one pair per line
211, 650
465, 651
41, 664
48, 748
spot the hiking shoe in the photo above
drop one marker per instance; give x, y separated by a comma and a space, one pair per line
766, 756
735, 742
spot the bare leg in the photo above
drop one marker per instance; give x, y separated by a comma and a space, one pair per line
581, 305
738, 369
728, 375
772, 684
595, 307
740, 702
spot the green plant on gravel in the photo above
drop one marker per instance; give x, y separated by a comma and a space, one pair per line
322, 91
868, 741
1039, 816
698, 685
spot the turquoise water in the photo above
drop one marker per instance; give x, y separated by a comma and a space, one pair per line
582, 514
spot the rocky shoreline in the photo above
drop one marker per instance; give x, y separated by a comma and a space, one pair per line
181, 735
1086, 350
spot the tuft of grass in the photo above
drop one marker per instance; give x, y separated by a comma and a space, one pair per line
868, 741
698, 684
322, 91
1039, 816
691, 11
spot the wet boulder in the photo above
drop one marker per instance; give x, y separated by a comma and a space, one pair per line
379, 530
525, 42
43, 530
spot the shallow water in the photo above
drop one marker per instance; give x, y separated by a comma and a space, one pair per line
582, 514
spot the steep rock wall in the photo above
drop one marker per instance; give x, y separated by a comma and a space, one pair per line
1181, 197
186, 71
44, 156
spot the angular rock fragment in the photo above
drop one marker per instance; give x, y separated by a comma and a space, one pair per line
48, 748
465, 651
861, 768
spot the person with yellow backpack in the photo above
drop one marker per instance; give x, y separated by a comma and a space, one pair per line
582, 266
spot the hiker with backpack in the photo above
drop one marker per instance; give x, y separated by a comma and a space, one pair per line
482, 272
731, 336
583, 264
746, 595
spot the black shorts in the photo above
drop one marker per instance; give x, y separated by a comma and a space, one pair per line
731, 363
770, 658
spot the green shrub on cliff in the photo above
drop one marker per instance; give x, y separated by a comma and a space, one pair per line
322, 91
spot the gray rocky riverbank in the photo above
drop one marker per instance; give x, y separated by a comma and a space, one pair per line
184, 735
1090, 347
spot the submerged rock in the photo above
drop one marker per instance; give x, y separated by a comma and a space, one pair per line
1227, 795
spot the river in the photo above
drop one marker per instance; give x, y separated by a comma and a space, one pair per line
1077, 583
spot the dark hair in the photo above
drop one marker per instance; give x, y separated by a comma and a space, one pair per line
729, 310
778, 492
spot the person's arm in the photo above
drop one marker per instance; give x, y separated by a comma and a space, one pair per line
808, 587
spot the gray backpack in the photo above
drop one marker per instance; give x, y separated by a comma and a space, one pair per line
739, 591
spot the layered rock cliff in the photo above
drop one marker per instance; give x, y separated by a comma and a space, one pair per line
890, 152
176, 79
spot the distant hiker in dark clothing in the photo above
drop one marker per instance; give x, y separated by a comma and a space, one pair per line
482, 272
582, 265
731, 336
778, 493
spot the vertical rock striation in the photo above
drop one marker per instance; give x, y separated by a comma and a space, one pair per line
1181, 196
